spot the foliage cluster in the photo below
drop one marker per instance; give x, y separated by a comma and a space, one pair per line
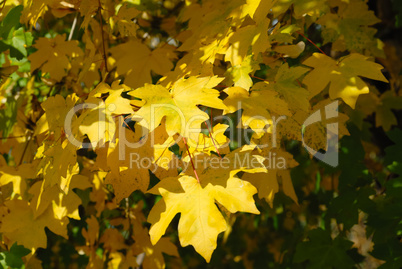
88, 85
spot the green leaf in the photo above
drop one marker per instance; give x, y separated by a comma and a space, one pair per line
13, 258
323, 252
19, 40
11, 21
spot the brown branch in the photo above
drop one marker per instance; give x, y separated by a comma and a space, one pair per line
103, 38
25, 150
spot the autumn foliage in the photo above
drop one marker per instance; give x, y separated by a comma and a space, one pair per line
256, 133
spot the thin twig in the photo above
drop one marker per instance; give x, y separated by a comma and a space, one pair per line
70, 36
210, 132
191, 159
259, 78
103, 38
213, 140
312, 43
25, 149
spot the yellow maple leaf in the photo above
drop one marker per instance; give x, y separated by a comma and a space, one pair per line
274, 104
348, 29
277, 162
153, 253
178, 105
20, 226
189, 65
314, 135
57, 160
239, 74
266, 184
96, 122
200, 220
292, 51
123, 21
343, 76
382, 106
91, 62
91, 235
17, 176
254, 108
54, 56
127, 170
300, 7
257, 9
250, 37
209, 22
65, 203
99, 191
286, 85
256, 105
214, 141
135, 60
56, 108
112, 240
133, 155
114, 103
34, 10
88, 8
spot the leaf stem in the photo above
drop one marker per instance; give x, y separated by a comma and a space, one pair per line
309, 40
259, 78
4, 4
191, 159
213, 140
